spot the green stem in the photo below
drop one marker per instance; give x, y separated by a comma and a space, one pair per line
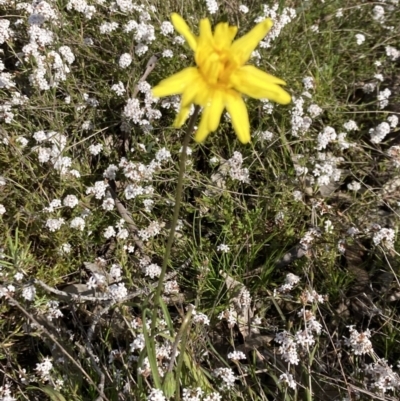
178, 197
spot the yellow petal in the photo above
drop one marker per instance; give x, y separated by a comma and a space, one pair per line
176, 84
244, 46
259, 85
203, 93
223, 35
215, 110
238, 112
182, 116
205, 31
183, 28
203, 131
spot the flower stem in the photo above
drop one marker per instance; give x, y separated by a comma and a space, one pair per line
178, 197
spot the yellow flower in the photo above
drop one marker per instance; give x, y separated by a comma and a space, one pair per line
221, 77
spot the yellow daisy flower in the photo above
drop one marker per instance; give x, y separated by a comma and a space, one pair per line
221, 77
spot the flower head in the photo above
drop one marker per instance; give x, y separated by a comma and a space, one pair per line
221, 77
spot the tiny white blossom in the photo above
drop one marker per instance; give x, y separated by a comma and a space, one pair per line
125, 60
360, 38
70, 201
95, 149
223, 248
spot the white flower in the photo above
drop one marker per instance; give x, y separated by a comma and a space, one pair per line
118, 88
18, 276
288, 379
227, 376
29, 293
108, 27
392, 53
156, 395
2, 209
70, 201
223, 248
43, 369
125, 60
212, 6
314, 110
378, 13
77, 223
383, 97
152, 270
236, 355
66, 248
354, 186
379, 133
393, 120
360, 38
359, 342
118, 291
308, 83
167, 53
351, 125
109, 232
167, 28
243, 9
54, 224
384, 236
95, 149
379, 77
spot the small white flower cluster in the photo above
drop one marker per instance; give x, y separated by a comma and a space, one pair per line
383, 98
384, 237
153, 229
288, 348
227, 376
287, 378
134, 113
309, 238
118, 88
359, 342
394, 153
230, 315
300, 123
144, 32
125, 60
325, 168
156, 395
212, 6
290, 281
392, 53
29, 293
189, 394
378, 14
223, 248
52, 153
81, 6
235, 171
43, 369
152, 270
379, 133
53, 311
201, 318
118, 291
325, 137
360, 38
382, 376
5, 393
287, 15
236, 356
